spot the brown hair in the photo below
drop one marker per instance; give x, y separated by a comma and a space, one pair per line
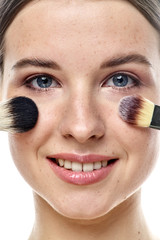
10, 8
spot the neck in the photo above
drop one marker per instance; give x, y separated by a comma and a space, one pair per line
125, 222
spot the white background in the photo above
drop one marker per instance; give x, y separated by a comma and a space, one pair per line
16, 203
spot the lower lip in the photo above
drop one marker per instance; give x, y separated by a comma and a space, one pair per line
81, 178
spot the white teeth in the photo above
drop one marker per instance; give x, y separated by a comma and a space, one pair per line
104, 163
61, 162
79, 167
87, 167
97, 165
67, 164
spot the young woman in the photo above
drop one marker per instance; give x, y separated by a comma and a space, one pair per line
76, 60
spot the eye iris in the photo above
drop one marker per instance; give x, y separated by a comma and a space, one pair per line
120, 80
44, 82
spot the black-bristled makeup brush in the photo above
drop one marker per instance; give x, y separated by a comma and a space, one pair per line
139, 111
18, 115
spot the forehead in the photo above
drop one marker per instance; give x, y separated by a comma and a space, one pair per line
80, 26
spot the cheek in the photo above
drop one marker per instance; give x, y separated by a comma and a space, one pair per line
23, 150
24, 147
132, 139
141, 146
46, 127
141, 141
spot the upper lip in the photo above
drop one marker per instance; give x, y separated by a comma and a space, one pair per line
88, 158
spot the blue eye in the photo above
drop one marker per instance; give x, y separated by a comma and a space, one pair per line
120, 80
42, 82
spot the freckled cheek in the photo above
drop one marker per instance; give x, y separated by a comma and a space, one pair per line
49, 117
22, 144
25, 147
20, 151
46, 126
128, 135
140, 142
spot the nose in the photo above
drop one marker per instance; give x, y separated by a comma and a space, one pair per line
82, 120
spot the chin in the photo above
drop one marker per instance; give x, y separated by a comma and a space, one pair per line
82, 210
81, 215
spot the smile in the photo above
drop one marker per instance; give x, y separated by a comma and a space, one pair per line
82, 167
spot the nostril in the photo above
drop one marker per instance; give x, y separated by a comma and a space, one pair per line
81, 128
68, 136
82, 137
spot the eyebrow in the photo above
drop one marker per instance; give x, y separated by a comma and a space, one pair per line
115, 61
132, 58
36, 62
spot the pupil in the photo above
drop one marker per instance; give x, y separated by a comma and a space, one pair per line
120, 80
44, 82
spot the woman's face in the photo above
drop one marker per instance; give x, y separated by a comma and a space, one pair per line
76, 60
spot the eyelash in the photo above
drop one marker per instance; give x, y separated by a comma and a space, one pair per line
29, 82
136, 82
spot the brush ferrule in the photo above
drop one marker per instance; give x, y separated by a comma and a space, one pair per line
155, 123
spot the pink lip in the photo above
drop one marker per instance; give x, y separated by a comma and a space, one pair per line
81, 158
81, 178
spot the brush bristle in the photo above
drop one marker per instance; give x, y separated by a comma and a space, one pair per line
136, 110
18, 115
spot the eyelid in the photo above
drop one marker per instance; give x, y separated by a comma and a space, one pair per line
32, 77
135, 78
29, 79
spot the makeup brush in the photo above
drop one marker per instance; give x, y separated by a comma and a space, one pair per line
18, 115
139, 111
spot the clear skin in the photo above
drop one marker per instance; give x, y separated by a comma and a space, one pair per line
79, 113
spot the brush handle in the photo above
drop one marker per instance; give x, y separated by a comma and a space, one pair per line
155, 123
